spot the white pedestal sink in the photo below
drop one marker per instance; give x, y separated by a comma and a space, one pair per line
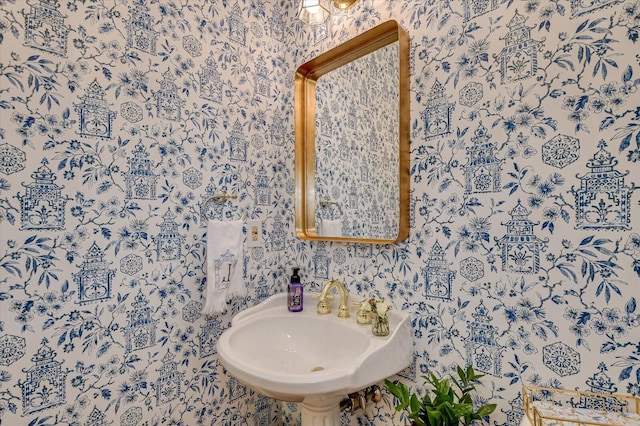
312, 359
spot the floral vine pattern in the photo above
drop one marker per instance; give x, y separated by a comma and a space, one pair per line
121, 119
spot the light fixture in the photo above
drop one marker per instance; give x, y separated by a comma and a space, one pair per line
344, 4
314, 12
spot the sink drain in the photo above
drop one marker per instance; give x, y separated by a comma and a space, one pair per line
318, 369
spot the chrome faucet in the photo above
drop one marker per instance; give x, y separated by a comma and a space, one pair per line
323, 304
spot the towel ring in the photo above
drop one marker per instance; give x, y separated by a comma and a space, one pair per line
218, 197
327, 203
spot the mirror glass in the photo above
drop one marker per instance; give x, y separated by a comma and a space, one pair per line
352, 127
356, 147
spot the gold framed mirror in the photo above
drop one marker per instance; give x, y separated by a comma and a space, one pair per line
352, 140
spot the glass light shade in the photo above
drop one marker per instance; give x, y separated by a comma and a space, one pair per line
314, 12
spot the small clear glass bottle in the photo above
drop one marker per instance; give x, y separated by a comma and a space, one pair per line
379, 325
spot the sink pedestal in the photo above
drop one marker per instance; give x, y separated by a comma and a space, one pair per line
321, 411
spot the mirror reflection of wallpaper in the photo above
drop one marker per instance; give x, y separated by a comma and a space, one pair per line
357, 147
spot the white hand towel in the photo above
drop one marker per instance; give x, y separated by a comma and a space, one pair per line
331, 227
224, 264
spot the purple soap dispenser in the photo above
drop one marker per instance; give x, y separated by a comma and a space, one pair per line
294, 299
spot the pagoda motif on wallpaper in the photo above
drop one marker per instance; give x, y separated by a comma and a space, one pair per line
95, 118
520, 248
365, 94
343, 149
140, 32
375, 215
96, 418
437, 114
353, 197
352, 118
237, 143
483, 170
45, 383
374, 141
600, 383
321, 262
168, 102
482, 348
516, 411
95, 279
475, 8
261, 82
519, 58
581, 7
262, 192
210, 80
413, 206
42, 207
276, 23
437, 275
324, 125
140, 179
365, 170
320, 32
236, 389
262, 289
278, 130
140, 331
603, 201
208, 336
278, 235
168, 387
262, 415
169, 240
45, 27
237, 27
363, 251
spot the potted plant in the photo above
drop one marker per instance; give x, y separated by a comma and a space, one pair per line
447, 403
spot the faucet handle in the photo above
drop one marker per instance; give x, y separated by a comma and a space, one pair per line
323, 307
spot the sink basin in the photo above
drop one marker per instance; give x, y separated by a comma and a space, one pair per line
280, 344
310, 358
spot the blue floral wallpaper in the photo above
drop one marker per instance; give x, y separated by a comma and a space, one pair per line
120, 119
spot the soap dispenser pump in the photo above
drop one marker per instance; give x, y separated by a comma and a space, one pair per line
294, 299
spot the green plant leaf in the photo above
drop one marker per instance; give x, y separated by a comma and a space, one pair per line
485, 410
415, 404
